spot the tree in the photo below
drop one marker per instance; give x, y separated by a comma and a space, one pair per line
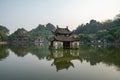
3, 33
42, 31
108, 30
117, 33
89, 28
18, 32
117, 16
84, 37
50, 27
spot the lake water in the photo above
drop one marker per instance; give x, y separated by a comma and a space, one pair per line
31, 62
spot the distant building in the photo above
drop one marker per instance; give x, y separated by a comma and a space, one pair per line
63, 38
39, 40
104, 30
21, 39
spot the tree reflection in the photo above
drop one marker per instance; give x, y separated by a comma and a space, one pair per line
62, 59
3, 52
22, 50
19, 50
93, 55
40, 51
109, 55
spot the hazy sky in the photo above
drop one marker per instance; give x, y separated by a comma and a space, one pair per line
29, 13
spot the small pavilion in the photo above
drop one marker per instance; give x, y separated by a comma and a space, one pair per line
64, 38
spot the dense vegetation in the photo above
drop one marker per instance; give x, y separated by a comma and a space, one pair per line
18, 32
108, 31
42, 31
94, 30
3, 33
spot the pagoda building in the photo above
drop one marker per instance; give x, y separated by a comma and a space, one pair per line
63, 38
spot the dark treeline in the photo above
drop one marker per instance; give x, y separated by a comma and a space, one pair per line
107, 31
42, 31
3, 33
95, 26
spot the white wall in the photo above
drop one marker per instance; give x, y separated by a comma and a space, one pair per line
57, 44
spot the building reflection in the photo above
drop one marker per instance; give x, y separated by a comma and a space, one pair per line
63, 58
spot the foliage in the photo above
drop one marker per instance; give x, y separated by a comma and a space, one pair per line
84, 37
42, 31
88, 28
115, 33
18, 32
108, 30
3, 33
3, 52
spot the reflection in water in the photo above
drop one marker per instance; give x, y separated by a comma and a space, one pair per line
62, 59
38, 50
20, 50
92, 55
3, 52
109, 55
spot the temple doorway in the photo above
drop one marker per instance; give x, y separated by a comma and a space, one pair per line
66, 44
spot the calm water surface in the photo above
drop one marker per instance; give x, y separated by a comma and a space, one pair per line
39, 63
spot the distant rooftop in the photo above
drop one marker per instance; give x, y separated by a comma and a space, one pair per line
62, 31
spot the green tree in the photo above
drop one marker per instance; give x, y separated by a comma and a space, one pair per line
18, 32
117, 33
84, 37
3, 33
42, 31
89, 28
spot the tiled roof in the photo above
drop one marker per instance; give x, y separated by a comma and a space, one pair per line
62, 31
64, 38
